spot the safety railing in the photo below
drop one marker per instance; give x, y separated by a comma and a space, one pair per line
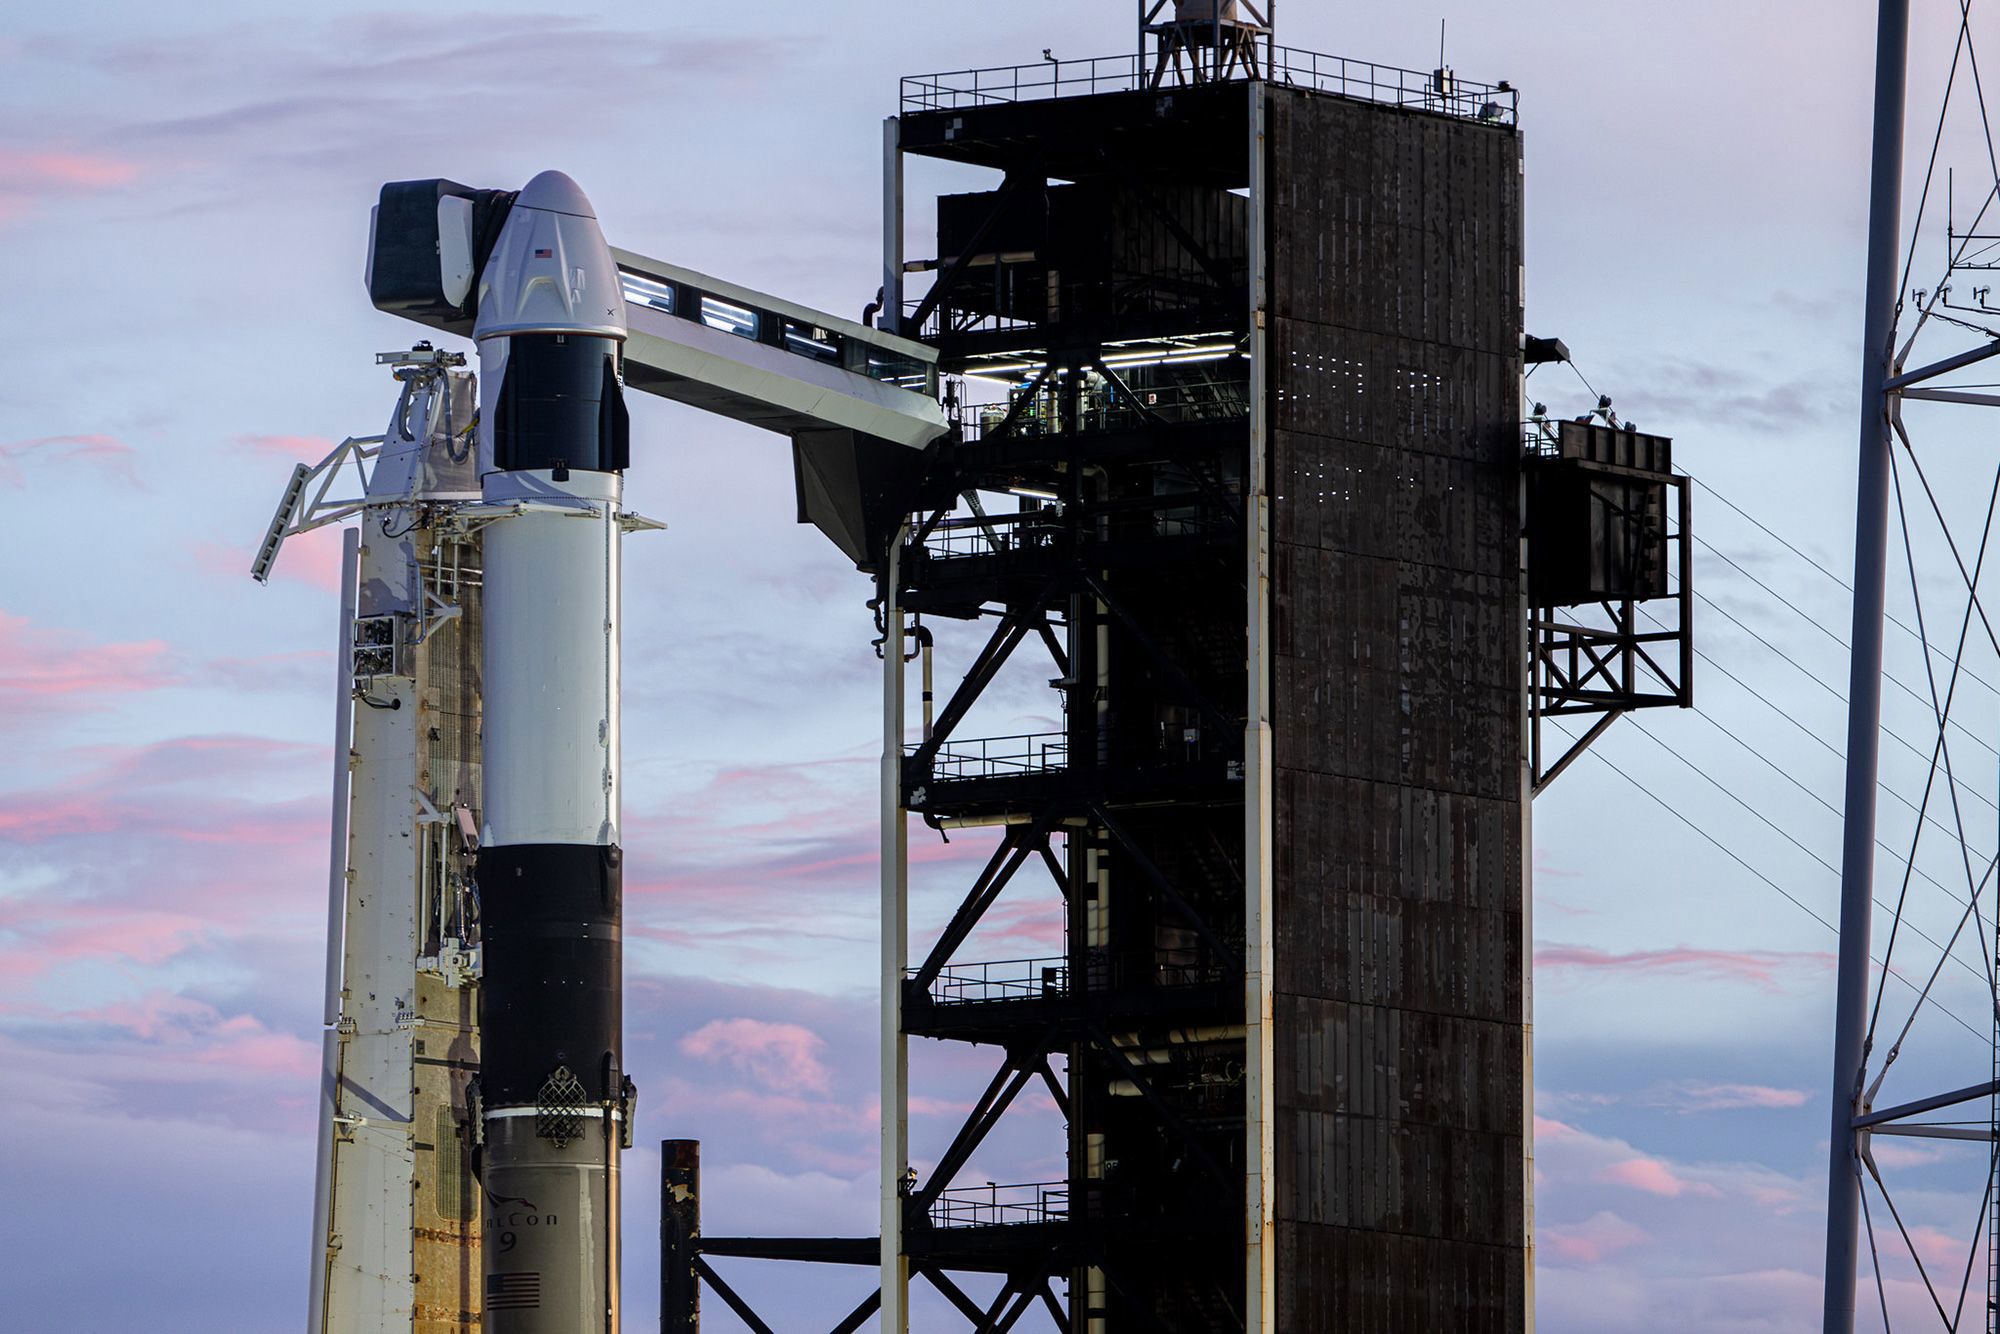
993, 1205
993, 535
1442, 91
1001, 756
1106, 407
999, 980
1021, 83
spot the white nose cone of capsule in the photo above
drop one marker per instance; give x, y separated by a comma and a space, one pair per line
550, 271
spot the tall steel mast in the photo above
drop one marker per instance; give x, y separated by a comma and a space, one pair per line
1864, 715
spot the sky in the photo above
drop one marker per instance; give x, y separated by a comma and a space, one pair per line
183, 204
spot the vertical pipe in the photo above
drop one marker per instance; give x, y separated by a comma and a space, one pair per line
1259, 1158
343, 742
680, 1233
336, 919
895, 1052
1864, 712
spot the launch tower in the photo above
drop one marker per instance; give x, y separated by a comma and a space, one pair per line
1254, 497
1263, 341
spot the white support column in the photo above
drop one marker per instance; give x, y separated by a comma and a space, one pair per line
892, 225
895, 1054
336, 919
1259, 1113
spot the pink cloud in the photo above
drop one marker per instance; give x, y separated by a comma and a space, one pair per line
292, 448
29, 177
166, 1037
1588, 1242
1729, 1097
88, 171
1891, 1151
188, 790
63, 932
1035, 921
778, 1056
311, 558
40, 668
1652, 1176
1758, 968
105, 453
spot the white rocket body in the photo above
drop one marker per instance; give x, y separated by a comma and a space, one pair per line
555, 1101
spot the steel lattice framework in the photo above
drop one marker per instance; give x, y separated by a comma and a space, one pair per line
1919, 342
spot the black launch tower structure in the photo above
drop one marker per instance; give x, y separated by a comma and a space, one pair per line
1256, 495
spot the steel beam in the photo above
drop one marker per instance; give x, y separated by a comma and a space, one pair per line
1864, 713
1922, 1105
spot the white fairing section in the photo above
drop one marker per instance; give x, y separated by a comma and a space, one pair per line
550, 271
551, 662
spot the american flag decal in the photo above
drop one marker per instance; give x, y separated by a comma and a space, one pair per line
545, 254
513, 1292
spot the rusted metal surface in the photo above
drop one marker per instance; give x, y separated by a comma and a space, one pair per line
1398, 678
445, 1249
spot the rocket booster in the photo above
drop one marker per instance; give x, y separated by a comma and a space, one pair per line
555, 1104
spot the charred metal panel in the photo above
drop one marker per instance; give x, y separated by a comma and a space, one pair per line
1399, 683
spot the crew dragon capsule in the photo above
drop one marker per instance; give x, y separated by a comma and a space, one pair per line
552, 1106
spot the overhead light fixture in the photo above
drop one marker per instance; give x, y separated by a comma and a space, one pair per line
1034, 492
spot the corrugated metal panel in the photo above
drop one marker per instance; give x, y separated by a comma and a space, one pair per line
1398, 683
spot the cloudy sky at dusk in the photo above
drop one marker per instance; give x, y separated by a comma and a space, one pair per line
183, 207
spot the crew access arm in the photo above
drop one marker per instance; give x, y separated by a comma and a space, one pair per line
859, 405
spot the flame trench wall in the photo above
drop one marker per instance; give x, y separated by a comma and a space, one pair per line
1400, 890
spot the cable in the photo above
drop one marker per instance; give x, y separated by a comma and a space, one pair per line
1894, 856
1815, 622
1765, 700
1836, 692
1759, 525
1787, 895
1823, 743
1773, 826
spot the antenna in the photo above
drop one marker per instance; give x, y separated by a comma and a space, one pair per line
1441, 80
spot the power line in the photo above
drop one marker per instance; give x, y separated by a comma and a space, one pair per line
1784, 893
1821, 741
1778, 769
1775, 828
1820, 625
1836, 692
1761, 527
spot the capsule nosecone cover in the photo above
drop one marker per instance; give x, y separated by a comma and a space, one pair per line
550, 271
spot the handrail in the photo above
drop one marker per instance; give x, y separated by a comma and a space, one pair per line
999, 980
1441, 91
992, 1205
1000, 756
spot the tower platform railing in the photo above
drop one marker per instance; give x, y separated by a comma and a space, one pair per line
999, 980
1000, 756
1441, 91
991, 1205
